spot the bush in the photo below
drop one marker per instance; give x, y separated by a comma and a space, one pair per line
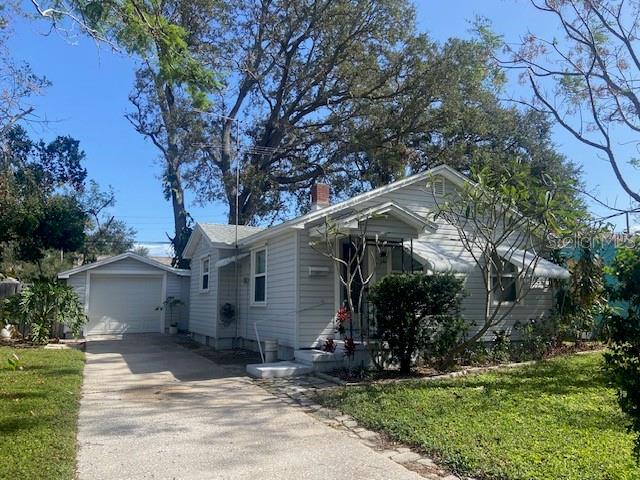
623, 363
440, 339
42, 305
413, 313
623, 359
538, 338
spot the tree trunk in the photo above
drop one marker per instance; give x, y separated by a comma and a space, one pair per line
181, 229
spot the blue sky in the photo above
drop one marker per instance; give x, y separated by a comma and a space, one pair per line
88, 99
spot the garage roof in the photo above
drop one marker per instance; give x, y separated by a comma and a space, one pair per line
122, 256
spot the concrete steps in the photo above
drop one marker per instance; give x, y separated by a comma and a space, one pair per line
278, 369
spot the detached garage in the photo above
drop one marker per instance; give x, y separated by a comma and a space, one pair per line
121, 294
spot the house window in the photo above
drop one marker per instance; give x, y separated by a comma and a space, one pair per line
401, 261
504, 281
205, 274
259, 274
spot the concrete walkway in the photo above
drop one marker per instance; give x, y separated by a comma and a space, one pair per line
154, 410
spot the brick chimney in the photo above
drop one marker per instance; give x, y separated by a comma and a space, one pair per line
320, 196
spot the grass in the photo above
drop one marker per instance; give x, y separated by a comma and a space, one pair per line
556, 419
38, 413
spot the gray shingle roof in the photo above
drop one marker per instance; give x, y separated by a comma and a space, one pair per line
225, 233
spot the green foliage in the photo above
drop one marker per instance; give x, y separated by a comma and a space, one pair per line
14, 362
626, 270
538, 337
416, 311
623, 359
41, 306
583, 297
143, 28
623, 364
35, 214
557, 419
39, 413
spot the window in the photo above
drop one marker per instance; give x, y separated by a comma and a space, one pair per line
205, 274
259, 274
401, 261
504, 281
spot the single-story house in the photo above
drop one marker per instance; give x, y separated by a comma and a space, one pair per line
279, 287
126, 293
250, 284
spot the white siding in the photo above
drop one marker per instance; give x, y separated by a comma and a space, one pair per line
316, 295
79, 283
178, 287
202, 305
276, 320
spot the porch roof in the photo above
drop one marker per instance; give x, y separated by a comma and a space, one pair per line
440, 257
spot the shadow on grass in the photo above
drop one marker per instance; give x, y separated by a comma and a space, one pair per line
13, 425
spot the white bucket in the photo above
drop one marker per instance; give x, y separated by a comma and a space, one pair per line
270, 351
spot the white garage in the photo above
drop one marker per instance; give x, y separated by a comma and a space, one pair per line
125, 293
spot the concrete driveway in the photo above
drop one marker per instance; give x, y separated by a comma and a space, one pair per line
153, 409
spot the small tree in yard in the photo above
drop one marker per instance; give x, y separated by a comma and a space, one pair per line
410, 308
43, 305
503, 222
623, 358
351, 270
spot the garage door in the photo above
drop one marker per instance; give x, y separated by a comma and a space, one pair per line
124, 304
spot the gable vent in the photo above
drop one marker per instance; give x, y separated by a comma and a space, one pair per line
437, 186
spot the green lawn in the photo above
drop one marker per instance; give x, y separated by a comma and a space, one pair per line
38, 413
553, 420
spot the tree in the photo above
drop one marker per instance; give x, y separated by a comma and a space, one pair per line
105, 234
18, 83
34, 214
583, 297
349, 250
141, 250
587, 82
410, 307
504, 222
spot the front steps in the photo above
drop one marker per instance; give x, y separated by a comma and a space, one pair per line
278, 369
308, 361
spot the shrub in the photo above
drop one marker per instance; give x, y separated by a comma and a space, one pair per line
623, 363
538, 337
412, 310
501, 348
439, 340
42, 305
623, 359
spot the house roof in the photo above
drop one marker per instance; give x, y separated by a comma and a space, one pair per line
300, 222
122, 256
218, 234
225, 233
